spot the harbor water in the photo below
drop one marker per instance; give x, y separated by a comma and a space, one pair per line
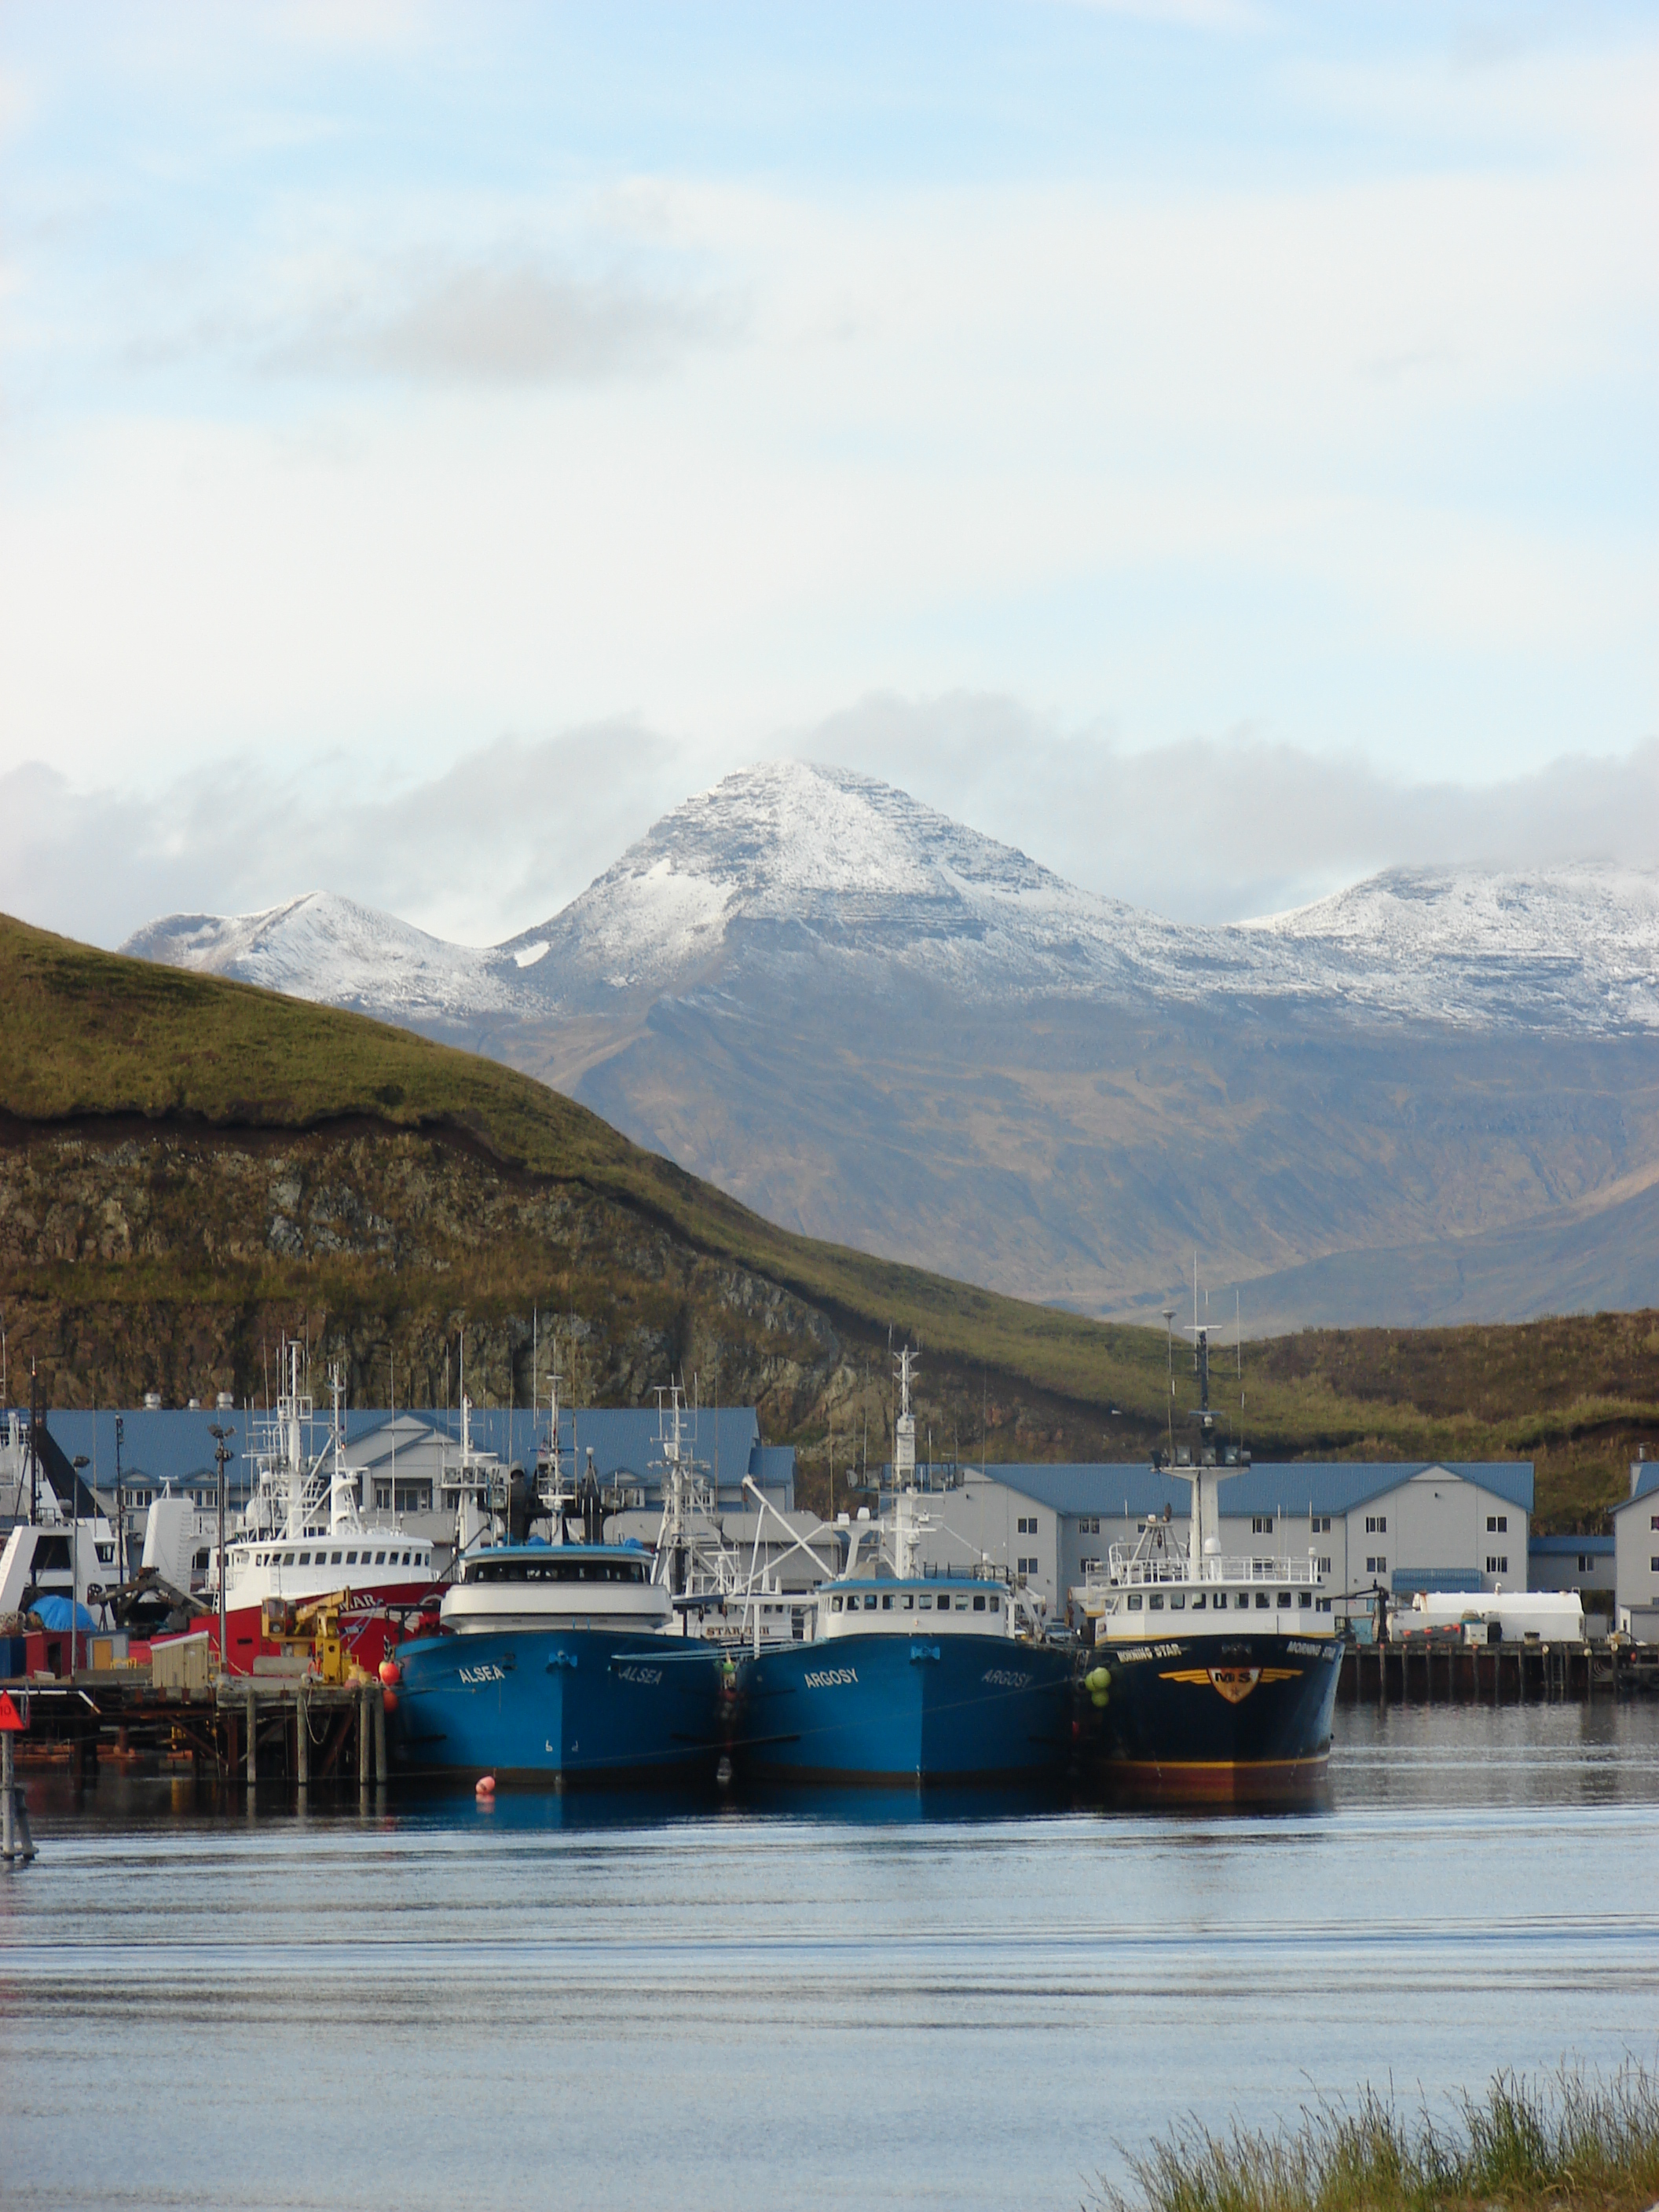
810, 2001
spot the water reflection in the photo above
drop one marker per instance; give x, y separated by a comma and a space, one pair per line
819, 1998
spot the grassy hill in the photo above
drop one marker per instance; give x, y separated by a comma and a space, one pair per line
188, 1164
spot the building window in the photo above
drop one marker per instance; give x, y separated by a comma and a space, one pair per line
1026, 1566
1324, 1566
1498, 1563
1091, 1567
1376, 1524
1378, 1565
1023, 1527
1320, 1524
1654, 1524
383, 1498
1498, 1524
1583, 1563
1262, 1525
1653, 1566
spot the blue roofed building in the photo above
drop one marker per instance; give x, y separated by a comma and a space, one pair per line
1400, 1525
399, 1458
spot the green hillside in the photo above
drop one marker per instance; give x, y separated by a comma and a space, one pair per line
138, 1095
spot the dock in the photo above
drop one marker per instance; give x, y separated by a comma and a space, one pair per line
249, 1728
1430, 1672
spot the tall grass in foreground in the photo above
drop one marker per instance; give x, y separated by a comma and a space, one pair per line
1559, 2140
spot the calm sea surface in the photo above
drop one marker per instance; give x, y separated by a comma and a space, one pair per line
814, 2002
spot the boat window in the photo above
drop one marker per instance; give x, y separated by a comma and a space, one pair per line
1177, 1601
351, 1558
1285, 1598
926, 1604
996, 1605
1262, 1604
1155, 1603
910, 1601
1304, 1599
305, 1559
1199, 1601
334, 1558
1221, 1600
835, 1605
379, 1559
556, 1570
979, 1605
887, 1604
1135, 1601
870, 1602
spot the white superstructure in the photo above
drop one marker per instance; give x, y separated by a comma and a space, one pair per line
303, 1535
1182, 1583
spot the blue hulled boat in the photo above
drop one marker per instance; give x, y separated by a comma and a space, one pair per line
923, 1680
559, 1662
906, 1677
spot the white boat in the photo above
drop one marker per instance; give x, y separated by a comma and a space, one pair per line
304, 1536
48, 1552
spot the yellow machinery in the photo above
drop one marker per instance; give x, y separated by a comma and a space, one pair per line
311, 1632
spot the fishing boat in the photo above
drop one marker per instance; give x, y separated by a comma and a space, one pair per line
304, 1536
1213, 1677
903, 1675
564, 1660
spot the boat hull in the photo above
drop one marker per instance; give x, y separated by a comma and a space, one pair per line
904, 1709
1196, 1720
369, 1624
560, 1704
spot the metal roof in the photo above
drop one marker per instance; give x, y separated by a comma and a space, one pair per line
1647, 1482
1286, 1486
1561, 1547
173, 1444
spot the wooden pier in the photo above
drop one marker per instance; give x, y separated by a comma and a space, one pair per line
1425, 1672
246, 1729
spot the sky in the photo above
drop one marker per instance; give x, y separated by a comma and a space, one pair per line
1210, 445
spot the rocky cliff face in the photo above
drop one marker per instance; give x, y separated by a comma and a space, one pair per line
143, 1257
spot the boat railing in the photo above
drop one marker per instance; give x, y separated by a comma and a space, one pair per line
1126, 1570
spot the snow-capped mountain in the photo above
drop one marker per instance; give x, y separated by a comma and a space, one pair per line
331, 949
1434, 1095
786, 861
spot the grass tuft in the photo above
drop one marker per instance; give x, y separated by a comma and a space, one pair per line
1558, 2141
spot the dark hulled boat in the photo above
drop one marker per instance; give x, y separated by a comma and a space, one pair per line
1213, 1678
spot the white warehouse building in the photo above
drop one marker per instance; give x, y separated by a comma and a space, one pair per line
1636, 1553
1408, 1526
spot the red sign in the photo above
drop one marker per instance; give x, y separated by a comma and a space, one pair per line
10, 1721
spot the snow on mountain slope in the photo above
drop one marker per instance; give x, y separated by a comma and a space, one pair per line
330, 949
787, 867
821, 862
1560, 947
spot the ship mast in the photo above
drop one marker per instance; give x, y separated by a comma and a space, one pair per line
909, 1522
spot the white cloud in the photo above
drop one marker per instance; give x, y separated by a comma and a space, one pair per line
1338, 445
505, 835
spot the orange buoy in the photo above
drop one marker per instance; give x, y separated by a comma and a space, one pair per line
485, 1786
390, 1672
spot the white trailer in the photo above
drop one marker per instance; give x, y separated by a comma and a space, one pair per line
1552, 1616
